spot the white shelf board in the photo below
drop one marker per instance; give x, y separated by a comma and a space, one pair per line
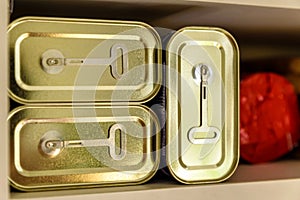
251, 21
280, 189
248, 17
279, 180
291, 4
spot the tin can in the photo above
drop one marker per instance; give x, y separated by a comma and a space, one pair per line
202, 105
58, 60
66, 147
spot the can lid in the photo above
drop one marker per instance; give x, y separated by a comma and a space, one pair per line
202, 105
56, 60
59, 147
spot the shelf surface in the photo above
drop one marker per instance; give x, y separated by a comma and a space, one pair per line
280, 179
293, 4
248, 18
256, 190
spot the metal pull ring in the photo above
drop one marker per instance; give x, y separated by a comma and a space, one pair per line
204, 134
53, 61
52, 145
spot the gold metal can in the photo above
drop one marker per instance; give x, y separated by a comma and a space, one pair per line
202, 105
58, 60
63, 147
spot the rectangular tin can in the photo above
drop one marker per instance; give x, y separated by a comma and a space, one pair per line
202, 127
67, 147
60, 60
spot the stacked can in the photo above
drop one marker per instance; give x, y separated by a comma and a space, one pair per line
202, 126
89, 90
83, 85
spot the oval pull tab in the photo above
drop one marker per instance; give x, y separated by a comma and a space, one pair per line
51, 144
208, 134
124, 61
53, 61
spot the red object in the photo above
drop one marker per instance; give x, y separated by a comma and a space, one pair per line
269, 117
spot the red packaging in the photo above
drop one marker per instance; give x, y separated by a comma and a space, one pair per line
269, 117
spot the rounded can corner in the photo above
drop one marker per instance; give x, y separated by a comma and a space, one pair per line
19, 187
18, 21
16, 110
175, 176
152, 31
232, 170
222, 178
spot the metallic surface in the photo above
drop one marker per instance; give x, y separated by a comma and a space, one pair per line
82, 146
211, 134
202, 105
57, 60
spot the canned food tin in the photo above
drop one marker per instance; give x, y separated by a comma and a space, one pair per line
73, 60
202, 105
82, 146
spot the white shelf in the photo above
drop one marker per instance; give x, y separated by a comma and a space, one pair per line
285, 189
293, 4
279, 180
262, 27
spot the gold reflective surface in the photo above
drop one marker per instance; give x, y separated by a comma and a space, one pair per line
57, 60
82, 146
199, 103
